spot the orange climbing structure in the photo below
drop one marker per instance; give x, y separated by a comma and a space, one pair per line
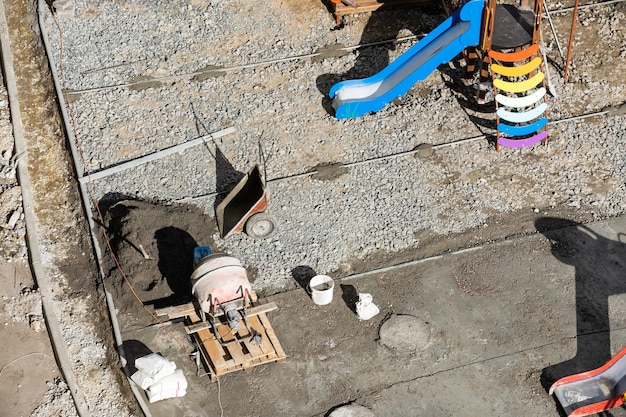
511, 57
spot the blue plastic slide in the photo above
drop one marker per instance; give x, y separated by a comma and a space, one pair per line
354, 98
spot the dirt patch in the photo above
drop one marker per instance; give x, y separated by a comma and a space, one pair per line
27, 367
153, 245
497, 228
142, 83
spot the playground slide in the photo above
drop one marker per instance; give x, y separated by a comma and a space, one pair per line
593, 391
354, 98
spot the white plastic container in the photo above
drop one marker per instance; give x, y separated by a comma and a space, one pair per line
321, 288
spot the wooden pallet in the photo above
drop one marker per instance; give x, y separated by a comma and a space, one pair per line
239, 355
362, 6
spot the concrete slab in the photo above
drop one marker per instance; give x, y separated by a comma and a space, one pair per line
505, 321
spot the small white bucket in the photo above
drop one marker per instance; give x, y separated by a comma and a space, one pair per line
321, 288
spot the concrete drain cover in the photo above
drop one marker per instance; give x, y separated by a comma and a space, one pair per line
405, 332
352, 410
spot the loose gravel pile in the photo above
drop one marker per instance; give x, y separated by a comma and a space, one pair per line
12, 229
148, 75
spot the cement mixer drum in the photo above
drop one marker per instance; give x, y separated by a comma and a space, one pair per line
217, 279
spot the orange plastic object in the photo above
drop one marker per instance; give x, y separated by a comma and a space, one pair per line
514, 56
592, 378
517, 71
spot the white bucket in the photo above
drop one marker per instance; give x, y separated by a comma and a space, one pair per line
321, 288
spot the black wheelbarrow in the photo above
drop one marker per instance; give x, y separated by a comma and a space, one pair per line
244, 208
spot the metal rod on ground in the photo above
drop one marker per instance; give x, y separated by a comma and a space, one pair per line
154, 156
190, 75
587, 6
545, 65
571, 40
556, 38
395, 155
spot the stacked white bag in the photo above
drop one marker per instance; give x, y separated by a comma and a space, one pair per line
159, 377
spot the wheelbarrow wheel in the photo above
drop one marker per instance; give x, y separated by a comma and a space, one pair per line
260, 226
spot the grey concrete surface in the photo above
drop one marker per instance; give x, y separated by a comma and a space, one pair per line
505, 320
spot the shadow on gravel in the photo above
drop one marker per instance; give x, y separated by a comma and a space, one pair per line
226, 176
302, 274
599, 266
466, 97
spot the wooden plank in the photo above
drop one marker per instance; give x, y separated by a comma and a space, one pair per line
234, 348
517, 70
514, 56
363, 6
266, 344
521, 102
240, 355
519, 86
257, 355
255, 351
523, 116
211, 350
175, 312
155, 155
272, 336
521, 143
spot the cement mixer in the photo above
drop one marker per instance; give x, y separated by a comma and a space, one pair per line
220, 284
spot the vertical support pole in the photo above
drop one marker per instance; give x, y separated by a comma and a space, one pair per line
485, 45
571, 40
470, 55
537, 27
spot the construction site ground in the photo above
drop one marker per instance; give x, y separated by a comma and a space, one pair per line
513, 274
479, 332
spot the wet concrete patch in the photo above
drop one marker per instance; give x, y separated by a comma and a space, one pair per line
329, 172
330, 51
424, 150
72, 96
143, 83
210, 71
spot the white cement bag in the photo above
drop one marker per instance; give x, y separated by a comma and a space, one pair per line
155, 366
151, 368
171, 386
165, 395
365, 308
142, 379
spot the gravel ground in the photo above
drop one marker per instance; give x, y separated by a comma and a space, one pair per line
151, 93
143, 76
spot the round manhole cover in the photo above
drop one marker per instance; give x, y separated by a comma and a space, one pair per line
352, 410
405, 332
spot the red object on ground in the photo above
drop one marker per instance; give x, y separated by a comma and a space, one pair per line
593, 391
